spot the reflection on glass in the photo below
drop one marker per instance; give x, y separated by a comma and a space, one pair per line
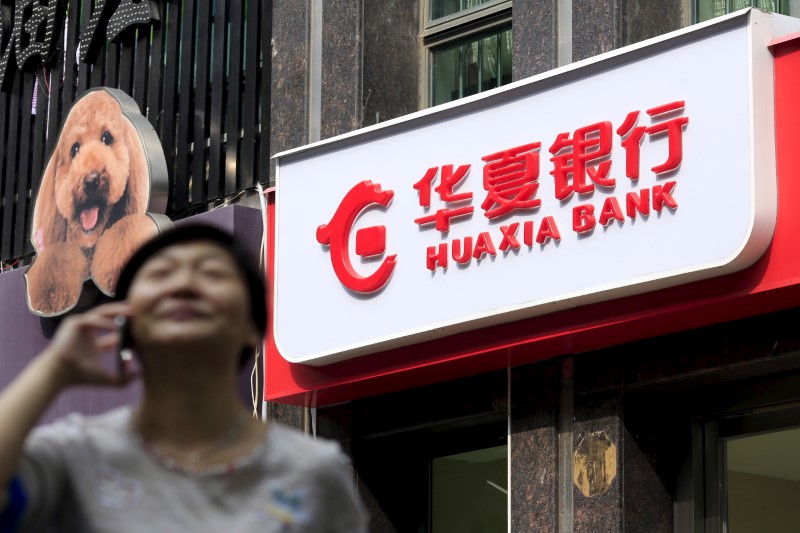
469, 492
470, 66
708, 9
763, 482
442, 8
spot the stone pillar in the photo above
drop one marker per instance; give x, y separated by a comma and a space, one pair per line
289, 114
599, 27
535, 43
342, 66
533, 447
626, 441
594, 28
586, 453
597, 460
290, 57
392, 49
642, 19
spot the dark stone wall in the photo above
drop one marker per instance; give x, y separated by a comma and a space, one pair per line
535, 38
289, 114
371, 53
392, 51
643, 19
599, 27
533, 447
656, 443
340, 93
594, 28
598, 416
369, 66
342, 43
288, 415
290, 41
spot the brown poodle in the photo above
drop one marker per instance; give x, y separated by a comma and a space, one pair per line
90, 212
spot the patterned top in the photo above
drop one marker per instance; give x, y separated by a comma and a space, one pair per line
92, 474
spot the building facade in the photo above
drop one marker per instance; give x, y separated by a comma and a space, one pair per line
659, 434
689, 430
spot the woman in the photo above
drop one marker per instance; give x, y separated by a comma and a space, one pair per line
189, 457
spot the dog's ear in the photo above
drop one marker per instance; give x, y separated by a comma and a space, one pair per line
139, 177
48, 224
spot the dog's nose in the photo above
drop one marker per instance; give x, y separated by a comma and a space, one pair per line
91, 182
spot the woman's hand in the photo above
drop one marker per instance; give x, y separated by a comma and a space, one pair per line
83, 343
77, 355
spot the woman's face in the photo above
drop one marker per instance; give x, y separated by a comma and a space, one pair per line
191, 295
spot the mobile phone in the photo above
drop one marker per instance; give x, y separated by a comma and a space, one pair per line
124, 352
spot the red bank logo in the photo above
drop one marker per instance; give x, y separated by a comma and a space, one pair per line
370, 242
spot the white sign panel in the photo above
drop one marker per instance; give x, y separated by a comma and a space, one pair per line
641, 169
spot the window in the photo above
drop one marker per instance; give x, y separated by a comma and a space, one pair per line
467, 48
763, 482
470, 66
443, 8
752, 471
708, 9
469, 491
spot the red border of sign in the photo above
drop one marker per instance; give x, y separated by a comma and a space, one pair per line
771, 284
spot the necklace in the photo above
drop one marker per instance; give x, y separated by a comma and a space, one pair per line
188, 460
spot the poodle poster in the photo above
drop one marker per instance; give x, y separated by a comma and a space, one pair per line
102, 195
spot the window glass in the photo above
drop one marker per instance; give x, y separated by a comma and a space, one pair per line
470, 66
708, 9
469, 491
443, 8
763, 482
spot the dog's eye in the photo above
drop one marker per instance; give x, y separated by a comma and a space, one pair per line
74, 150
107, 138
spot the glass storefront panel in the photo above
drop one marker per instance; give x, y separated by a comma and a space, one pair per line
469, 492
763, 482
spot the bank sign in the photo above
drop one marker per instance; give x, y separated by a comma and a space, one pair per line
638, 170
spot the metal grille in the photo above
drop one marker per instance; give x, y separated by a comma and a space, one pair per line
200, 75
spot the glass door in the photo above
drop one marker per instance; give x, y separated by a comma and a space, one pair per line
469, 491
753, 483
762, 480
